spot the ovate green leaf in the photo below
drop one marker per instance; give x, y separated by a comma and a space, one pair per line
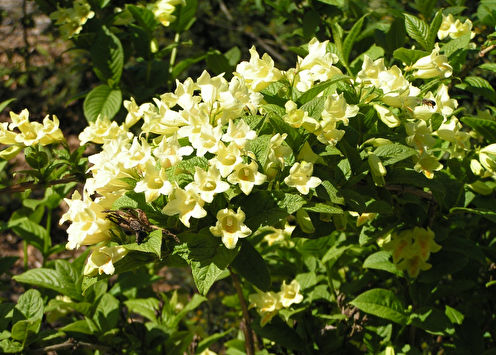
381, 303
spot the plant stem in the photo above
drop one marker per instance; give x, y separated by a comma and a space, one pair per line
71, 344
30, 185
25, 250
246, 323
174, 52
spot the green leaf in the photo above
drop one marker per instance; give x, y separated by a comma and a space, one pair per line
456, 44
381, 303
351, 38
51, 279
31, 232
488, 66
30, 305
190, 306
102, 100
323, 208
310, 23
393, 153
487, 128
144, 17
433, 321
380, 261
147, 307
185, 16
107, 312
152, 244
454, 316
6, 103
283, 335
433, 29
317, 89
251, 265
208, 259
480, 86
10, 346
108, 56
287, 201
417, 29
409, 56
84, 326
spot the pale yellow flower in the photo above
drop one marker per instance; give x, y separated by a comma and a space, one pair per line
207, 183
239, 133
267, 305
163, 9
246, 176
154, 182
102, 260
226, 158
300, 177
454, 28
230, 227
432, 66
487, 157
258, 73
169, 152
290, 294
387, 116
100, 130
185, 203
297, 118
89, 223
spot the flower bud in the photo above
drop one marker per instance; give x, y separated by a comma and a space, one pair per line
304, 221
487, 157
377, 169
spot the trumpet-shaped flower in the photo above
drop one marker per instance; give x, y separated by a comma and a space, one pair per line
454, 28
279, 235
290, 294
102, 260
230, 227
258, 73
100, 130
267, 305
163, 9
432, 66
89, 222
169, 152
239, 133
154, 182
226, 159
300, 177
185, 203
487, 157
207, 183
337, 109
246, 176
297, 118
278, 154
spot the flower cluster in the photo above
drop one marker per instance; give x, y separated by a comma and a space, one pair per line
269, 303
411, 249
163, 9
29, 133
197, 152
72, 19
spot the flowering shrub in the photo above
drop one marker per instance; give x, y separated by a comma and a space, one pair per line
347, 200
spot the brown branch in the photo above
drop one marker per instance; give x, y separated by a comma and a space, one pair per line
410, 190
23, 186
246, 323
71, 344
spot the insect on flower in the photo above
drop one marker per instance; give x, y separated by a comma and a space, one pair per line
135, 221
430, 103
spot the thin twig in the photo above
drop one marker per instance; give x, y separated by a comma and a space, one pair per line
246, 324
410, 190
23, 186
71, 344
